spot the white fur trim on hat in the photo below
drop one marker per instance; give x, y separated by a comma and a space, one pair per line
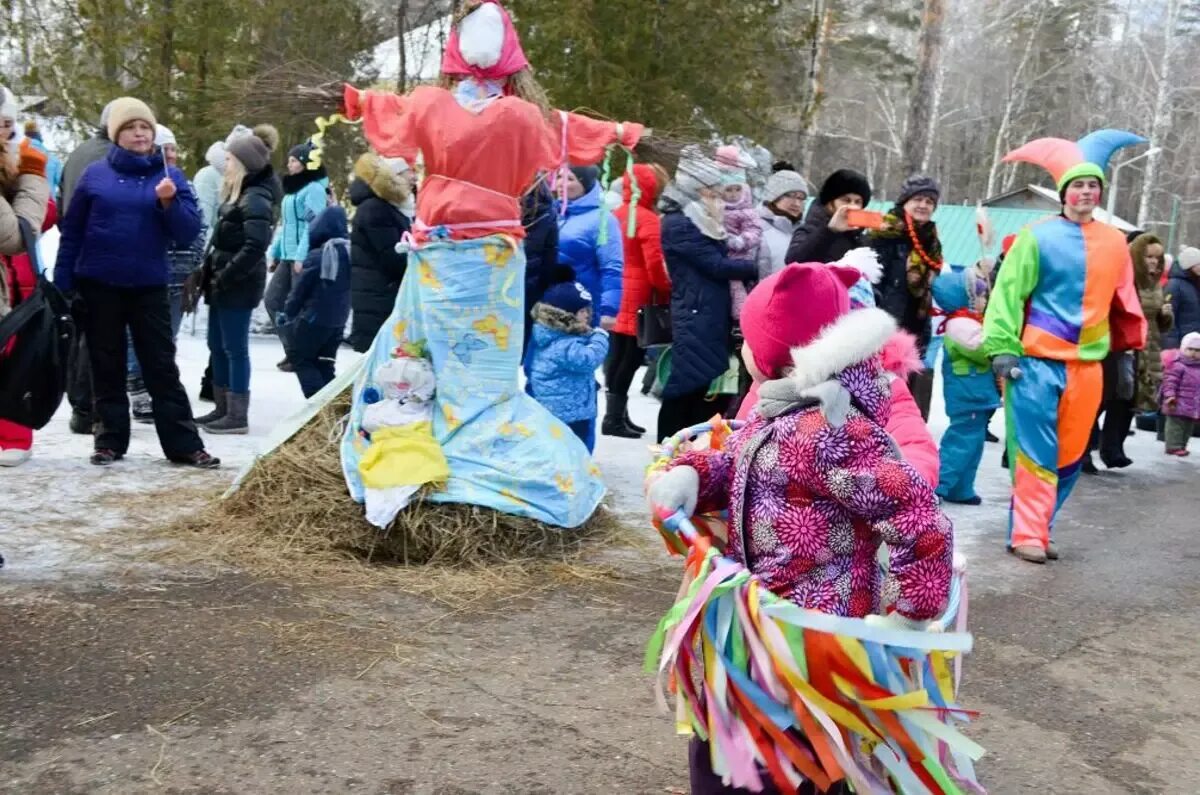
8, 104
481, 36
852, 338
864, 260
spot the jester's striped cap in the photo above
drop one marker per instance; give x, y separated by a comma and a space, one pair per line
1070, 160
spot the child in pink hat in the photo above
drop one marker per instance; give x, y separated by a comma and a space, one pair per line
812, 482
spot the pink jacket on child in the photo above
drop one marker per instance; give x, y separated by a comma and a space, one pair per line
812, 492
904, 423
1182, 382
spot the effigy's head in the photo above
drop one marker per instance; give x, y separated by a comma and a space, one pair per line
484, 47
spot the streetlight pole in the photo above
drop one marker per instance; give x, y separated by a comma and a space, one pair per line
1112, 188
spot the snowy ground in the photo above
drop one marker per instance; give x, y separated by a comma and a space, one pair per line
63, 502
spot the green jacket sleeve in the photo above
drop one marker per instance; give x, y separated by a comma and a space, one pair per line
1005, 317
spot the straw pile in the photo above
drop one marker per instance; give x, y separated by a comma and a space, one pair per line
294, 504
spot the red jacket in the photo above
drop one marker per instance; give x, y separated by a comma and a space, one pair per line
645, 271
18, 270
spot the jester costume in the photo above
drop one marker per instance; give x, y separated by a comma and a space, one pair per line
1064, 298
462, 302
967, 381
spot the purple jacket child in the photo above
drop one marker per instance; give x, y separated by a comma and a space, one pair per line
1181, 385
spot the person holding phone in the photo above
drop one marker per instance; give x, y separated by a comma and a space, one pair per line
826, 234
910, 252
126, 212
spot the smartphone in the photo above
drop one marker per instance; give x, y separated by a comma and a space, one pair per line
864, 219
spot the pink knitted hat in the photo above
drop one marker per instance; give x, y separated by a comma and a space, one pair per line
789, 309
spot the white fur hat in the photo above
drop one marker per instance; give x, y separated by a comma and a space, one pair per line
1189, 257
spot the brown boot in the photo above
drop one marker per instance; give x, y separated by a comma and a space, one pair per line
1030, 553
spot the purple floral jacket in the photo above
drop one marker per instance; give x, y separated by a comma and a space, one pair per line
809, 504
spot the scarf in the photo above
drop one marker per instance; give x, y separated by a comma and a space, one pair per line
924, 260
708, 216
294, 183
332, 253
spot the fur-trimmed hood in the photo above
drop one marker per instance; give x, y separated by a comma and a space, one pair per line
558, 320
381, 179
1137, 252
840, 368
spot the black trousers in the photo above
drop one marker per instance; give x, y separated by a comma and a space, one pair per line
624, 359
921, 386
685, 411
312, 350
79, 375
146, 312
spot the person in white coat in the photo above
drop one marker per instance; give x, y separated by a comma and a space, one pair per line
779, 214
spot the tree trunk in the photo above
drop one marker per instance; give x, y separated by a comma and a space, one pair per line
1162, 111
923, 100
401, 34
823, 32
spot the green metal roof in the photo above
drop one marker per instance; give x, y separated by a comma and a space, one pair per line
956, 228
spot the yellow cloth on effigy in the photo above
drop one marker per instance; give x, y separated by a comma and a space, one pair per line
407, 455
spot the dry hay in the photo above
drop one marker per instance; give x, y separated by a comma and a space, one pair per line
292, 515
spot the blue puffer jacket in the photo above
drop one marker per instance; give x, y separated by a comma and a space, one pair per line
597, 267
303, 200
562, 363
116, 231
700, 273
1183, 289
315, 299
967, 380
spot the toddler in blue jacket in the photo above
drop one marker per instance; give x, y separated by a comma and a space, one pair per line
564, 353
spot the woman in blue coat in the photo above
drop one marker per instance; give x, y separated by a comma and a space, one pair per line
319, 305
126, 211
693, 243
303, 200
597, 265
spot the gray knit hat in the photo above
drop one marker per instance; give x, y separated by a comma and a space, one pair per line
251, 150
918, 184
784, 182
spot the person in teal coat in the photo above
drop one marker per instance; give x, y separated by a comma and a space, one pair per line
969, 386
303, 200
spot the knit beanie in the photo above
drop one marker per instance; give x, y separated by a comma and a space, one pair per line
163, 136
1191, 341
302, 151
1189, 257
916, 185
842, 182
251, 150
587, 176
789, 309
567, 294
125, 110
237, 131
104, 116
783, 182
215, 156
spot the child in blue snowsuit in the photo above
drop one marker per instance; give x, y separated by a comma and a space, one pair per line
564, 352
969, 386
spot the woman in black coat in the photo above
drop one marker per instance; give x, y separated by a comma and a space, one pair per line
825, 236
235, 276
693, 243
378, 192
910, 254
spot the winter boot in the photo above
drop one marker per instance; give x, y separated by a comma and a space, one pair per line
614, 418
206, 385
199, 459
1029, 553
630, 423
81, 423
141, 406
220, 396
237, 405
12, 457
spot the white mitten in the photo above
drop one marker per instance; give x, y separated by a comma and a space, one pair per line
676, 490
896, 621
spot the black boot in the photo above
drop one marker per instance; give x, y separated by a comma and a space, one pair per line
614, 418
81, 423
1160, 427
1089, 467
631, 424
206, 384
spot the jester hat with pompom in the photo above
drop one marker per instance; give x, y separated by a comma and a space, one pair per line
1069, 160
